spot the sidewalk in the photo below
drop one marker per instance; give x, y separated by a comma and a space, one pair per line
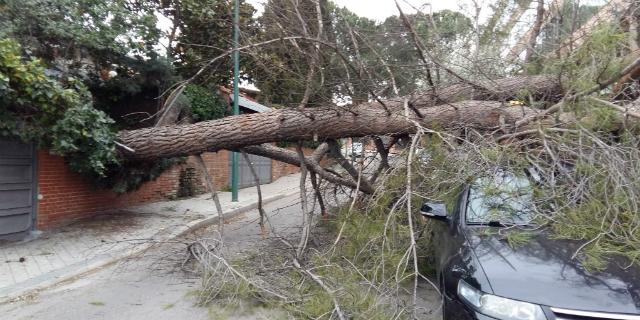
107, 238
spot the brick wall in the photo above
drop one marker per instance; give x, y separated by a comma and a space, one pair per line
218, 166
67, 196
280, 169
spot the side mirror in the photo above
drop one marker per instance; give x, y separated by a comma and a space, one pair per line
433, 210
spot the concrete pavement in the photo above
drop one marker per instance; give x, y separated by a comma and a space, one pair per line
152, 285
88, 245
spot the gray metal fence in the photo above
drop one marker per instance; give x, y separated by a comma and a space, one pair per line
17, 188
262, 166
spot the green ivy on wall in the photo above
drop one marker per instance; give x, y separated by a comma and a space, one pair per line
205, 103
56, 115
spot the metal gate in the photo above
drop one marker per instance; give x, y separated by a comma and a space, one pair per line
17, 189
262, 166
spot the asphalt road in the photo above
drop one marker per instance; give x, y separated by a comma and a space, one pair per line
153, 285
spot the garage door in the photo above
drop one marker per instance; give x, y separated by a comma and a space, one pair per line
17, 189
262, 166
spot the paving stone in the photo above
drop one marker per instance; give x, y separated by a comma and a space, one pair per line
113, 234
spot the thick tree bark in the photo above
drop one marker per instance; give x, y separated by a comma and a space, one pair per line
331, 123
325, 123
541, 87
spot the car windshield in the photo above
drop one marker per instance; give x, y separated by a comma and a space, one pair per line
503, 198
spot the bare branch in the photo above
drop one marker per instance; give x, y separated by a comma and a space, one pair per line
306, 215
344, 163
214, 194
257, 180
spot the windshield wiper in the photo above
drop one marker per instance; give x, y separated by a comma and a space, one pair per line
497, 223
491, 223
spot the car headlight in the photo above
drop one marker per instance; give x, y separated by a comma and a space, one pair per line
499, 307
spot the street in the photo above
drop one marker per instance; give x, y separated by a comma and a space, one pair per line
149, 286
154, 286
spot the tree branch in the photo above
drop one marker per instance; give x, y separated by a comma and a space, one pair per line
344, 163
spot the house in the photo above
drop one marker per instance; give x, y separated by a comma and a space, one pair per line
39, 191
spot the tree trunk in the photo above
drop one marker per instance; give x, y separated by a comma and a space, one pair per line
541, 87
332, 123
325, 123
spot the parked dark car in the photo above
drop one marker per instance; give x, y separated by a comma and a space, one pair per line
482, 277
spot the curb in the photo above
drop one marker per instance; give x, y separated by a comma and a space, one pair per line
199, 224
19, 291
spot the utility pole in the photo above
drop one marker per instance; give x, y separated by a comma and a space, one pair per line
235, 156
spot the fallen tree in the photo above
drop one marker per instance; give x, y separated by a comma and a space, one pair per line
482, 106
547, 129
440, 110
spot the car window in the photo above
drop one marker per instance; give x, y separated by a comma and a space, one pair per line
503, 198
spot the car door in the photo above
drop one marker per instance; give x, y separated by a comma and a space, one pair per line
453, 260
446, 235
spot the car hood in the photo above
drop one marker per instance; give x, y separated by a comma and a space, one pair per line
542, 271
